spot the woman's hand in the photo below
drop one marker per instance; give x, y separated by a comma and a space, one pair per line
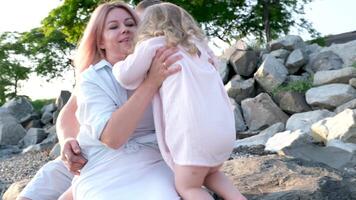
162, 67
72, 157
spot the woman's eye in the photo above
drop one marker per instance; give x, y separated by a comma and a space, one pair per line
130, 24
112, 27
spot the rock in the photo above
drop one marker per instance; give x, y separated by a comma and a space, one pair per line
330, 96
261, 112
239, 120
331, 156
47, 118
295, 61
289, 42
262, 137
8, 151
349, 147
11, 132
50, 108
271, 74
346, 51
334, 76
34, 136
304, 121
342, 127
285, 139
240, 89
280, 54
348, 105
273, 177
20, 108
56, 151
292, 102
62, 99
352, 82
15, 189
242, 59
224, 70
326, 60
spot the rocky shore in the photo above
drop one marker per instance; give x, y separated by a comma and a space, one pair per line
295, 120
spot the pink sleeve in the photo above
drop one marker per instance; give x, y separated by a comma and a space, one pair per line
132, 71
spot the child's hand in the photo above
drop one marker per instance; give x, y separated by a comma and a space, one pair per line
161, 65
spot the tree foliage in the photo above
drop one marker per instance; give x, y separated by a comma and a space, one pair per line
13, 65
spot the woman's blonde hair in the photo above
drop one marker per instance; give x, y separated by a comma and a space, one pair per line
88, 51
173, 22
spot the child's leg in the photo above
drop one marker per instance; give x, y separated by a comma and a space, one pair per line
218, 182
67, 195
189, 181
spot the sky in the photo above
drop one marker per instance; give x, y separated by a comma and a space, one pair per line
328, 17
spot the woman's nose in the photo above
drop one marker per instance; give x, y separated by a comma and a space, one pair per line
124, 29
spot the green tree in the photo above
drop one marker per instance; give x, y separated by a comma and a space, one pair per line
14, 65
49, 51
268, 19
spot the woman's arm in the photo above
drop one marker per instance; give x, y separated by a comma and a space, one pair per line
124, 120
67, 128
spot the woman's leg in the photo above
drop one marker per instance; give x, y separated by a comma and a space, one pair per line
189, 181
218, 182
51, 180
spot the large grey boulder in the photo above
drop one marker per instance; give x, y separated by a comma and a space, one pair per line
332, 156
352, 82
334, 76
280, 54
274, 177
239, 120
305, 120
11, 131
34, 136
292, 102
342, 127
20, 107
326, 60
295, 61
271, 74
346, 51
240, 89
262, 137
289, 42
243, 60
261, 112
285, 139
62, 99
223, 69
330, 96
348, 105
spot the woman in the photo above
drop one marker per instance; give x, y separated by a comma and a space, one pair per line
122, 121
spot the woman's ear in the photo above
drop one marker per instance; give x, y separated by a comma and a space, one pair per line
101, 45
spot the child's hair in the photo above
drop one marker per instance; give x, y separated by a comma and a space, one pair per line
146, 3
173, 22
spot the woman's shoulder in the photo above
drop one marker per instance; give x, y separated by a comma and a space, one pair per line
91, 73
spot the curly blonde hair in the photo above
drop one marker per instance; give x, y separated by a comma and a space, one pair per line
173, 22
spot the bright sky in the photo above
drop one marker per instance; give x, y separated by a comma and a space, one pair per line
327, 16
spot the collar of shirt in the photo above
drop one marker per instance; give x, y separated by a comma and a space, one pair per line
101, 64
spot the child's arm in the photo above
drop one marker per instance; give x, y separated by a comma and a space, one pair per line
131, 72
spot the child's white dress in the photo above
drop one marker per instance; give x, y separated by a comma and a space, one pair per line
193, 116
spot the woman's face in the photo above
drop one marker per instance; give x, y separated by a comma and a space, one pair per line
118, 35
